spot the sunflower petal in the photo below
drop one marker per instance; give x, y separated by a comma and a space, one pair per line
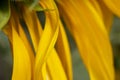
107, 15
48, 37
21, 59
33, 26
28, 47
45, 74
55, 68
63, 51
23, 37
114, 6
91, 37
96, 5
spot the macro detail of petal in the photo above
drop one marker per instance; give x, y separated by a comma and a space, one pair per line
45, 73
96, 5
21, 71
104, 13
23, 55
114, 6
56, 71
91, 37
63, 51
33, 26
28, 47
21, 58
41, 52
107, 15
48, 37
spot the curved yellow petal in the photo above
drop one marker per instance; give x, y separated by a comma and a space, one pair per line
48, 37
97, 7
33, 26
45, 73
104, 13
63, 51
25, 40
23, 55
91, 37
113, 5
55, 68
28, 47
107, 15
21, 59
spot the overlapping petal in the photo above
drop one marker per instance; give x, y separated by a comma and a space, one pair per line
48, 37
107, 15
113, 5
88, 30
21, 58
33, 26
56, 71
89, 23
21, 71
63, 50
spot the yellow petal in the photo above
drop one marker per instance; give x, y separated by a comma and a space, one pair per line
97, 7
22, 51
45, 74
114, 6
21, 59
48, 38
33, 26
24, 38
107, 15
28, 47
55, 68
91, 37
63, 51
104, 13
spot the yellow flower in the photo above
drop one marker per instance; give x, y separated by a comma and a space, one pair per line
43, 61
88, 24
43, 53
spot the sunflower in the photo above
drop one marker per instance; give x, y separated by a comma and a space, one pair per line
40, 49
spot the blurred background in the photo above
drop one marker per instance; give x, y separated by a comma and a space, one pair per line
79, 71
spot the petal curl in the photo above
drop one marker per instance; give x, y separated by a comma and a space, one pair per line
91, 37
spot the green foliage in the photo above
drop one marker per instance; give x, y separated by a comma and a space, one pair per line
31, 3
4, 12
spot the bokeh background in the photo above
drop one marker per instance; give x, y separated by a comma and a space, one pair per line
79, 71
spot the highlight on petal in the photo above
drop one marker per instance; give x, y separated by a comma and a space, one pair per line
21, 71
45, 74
54, 67
113, 5
28, 47
97, 7
91, 37
48, 37
104, 13
107, 15
21, 58
23, 55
